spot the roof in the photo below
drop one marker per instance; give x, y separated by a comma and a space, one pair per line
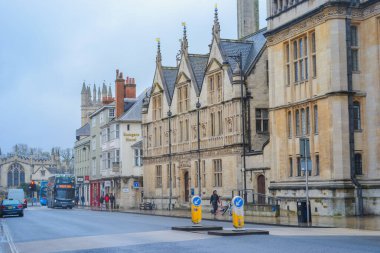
137, 145
198, 64
134, 111
170, 75
83, 131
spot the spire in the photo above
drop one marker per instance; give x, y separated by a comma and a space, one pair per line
104, 90
158, 57
99, 95
109, 92
184, 43
94, 94
216, 27
89, 95
83, 88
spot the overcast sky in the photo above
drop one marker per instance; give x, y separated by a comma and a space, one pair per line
49, 47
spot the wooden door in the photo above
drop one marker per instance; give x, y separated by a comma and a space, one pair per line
261, 189
187, 190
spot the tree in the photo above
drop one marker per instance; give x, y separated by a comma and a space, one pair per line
68, 159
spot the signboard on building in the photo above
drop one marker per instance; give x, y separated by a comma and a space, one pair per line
86, 179
131, 136
125, 190
107, 183
79, 179
136, 185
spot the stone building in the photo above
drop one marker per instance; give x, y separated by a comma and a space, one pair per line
209, 85
324, 86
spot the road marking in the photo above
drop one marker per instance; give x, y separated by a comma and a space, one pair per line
109, 240
8, 236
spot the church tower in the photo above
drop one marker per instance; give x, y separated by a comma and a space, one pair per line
247, 17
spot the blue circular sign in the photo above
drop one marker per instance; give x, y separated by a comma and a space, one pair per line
196, 200
238, 201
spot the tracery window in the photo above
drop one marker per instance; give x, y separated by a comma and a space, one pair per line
16, 175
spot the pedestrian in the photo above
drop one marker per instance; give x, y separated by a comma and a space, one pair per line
214, 201
82, 200
107, 200
112, 199
101, 200
76, 200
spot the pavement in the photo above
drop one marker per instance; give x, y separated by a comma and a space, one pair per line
364, 222
79, 230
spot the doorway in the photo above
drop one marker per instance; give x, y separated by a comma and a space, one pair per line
187, 192
261, 189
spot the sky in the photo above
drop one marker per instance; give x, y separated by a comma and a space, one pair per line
49, 47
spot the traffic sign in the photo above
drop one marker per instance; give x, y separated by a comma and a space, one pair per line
196, 200
238, 201
136, 184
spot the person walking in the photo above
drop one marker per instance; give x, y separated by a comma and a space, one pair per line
107, 200
214, 201
82, 200
112, 200
101, 200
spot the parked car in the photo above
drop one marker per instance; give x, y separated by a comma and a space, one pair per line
11, 207
19, 195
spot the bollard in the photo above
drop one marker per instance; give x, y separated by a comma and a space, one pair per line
196, 210
238, 212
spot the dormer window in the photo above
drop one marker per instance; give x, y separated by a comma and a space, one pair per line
111, 113
157, 107
215, 88
183, 98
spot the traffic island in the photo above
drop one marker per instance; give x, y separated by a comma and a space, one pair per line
197, 228
238, 232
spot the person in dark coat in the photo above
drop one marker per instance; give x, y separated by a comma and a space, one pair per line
214, 201
82, 200
112, 200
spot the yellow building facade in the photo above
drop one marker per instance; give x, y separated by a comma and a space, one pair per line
324, 62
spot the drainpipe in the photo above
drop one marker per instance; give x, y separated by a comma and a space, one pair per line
355, 182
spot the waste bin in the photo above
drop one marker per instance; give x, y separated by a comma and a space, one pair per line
302, 212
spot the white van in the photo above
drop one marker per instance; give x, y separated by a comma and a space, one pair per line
19, 195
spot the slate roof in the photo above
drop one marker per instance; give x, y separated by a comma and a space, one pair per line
137, 145
83, 131
249, 47
170, 75
134, 111
198, 64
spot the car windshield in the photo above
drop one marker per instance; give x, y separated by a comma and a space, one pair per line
11, 202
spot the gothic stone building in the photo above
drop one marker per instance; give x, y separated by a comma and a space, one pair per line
324, 86
213, 80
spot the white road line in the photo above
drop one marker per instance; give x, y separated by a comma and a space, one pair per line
109, 240
8, 236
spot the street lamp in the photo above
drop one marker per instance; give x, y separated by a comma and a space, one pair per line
239, 60
198, 105
170, 162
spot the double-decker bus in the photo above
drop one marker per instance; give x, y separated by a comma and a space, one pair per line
61, 191
43, 193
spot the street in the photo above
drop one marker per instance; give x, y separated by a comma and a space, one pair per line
78, 230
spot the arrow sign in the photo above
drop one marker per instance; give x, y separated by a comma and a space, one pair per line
238, 201
197, 201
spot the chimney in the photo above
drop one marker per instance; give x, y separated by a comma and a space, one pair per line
130, 88
119, 93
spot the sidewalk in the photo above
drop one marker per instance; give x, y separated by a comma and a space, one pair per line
365, 222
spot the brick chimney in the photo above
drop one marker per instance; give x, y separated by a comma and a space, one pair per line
119, 93
130, 88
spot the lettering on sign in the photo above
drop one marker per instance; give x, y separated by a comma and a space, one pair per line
131, 136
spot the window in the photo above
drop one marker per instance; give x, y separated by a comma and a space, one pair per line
117, 131
289, 124
287, 64
358, 164
16, 175
117, 155
298, 123
196, 174
220, 123
203, 173
307, 120
357, 120
303, 121
290, 167
183, 98
158, 176
93, 144
108, 162
138, 157
181, 131
213, 130
354, 48
217, 166
315, 119
160, 137
215, 88
174, 176
157, 107
262, 121
128, 127
111, 113
167, 176
295, 60
317, 165
298, 166
108, 134
186, 130
300, 59
313, 54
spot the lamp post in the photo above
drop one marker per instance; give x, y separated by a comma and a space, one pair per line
198, 105
170, 162
239, 60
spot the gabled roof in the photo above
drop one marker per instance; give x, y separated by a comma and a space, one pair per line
137, 145
134, 112
198, 64
169, 75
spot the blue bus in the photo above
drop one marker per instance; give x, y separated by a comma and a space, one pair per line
61, 191
43, 193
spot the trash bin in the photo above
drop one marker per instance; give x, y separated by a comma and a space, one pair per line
302, 212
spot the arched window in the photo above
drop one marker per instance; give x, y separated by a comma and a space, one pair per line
16, 175
357, 117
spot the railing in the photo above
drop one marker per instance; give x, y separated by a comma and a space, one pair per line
256, 198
